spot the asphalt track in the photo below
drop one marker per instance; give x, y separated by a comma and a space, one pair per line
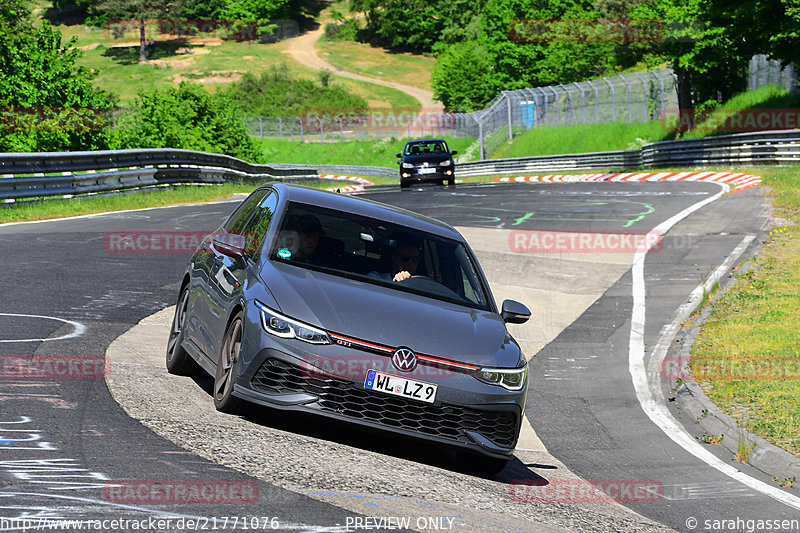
581, 402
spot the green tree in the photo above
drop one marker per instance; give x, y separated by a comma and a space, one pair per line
276, 93
525, 43
138, 10
48, 103
185, 117
462, 77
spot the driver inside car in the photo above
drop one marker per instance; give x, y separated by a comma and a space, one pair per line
404, 260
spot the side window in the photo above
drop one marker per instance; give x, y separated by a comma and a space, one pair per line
237, 221
257, 227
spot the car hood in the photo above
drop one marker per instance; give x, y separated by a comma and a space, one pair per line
392, 317
430, 158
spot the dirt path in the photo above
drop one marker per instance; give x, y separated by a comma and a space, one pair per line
302, 50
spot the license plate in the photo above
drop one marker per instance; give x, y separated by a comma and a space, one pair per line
429, 170
397, 386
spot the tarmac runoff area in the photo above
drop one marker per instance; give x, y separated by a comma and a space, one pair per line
557, 287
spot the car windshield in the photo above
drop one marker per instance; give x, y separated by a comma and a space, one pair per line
426, 147
375, 251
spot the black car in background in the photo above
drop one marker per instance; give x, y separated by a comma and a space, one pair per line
427, 160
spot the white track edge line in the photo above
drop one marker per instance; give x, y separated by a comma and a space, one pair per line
657, 411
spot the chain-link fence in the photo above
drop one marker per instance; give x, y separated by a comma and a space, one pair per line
629, 98
314, 127
637, 97
764, 71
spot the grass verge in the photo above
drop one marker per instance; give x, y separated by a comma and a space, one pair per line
747, 354
49, 208
367, 153
583, 138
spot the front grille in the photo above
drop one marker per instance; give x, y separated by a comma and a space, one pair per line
348, 399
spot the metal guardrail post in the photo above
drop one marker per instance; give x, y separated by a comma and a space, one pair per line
645, 91
510, 131
480, 137
630, 103
596, 102
613, 101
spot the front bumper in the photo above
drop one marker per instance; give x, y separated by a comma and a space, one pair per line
414, 175
467, 413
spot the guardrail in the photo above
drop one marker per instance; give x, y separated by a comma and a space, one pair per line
26, 175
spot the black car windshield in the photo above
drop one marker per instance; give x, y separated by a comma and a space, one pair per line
426, 147
378, 252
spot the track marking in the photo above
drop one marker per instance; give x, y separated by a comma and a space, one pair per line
649, 393
741, 182
78, 328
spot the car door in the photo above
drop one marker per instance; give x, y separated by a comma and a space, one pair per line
203, 272
228, 274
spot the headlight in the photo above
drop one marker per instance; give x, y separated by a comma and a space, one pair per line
445, 163
407, 165
287, 328
509, 378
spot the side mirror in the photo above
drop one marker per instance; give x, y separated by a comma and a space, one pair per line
514, 312
398, 155
230, 244
454, 152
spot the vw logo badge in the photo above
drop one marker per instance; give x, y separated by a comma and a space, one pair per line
404, 360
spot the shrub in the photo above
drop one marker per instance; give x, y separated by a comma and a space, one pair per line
185, 117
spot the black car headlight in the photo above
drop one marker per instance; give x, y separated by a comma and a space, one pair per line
407, 165
512, 379
287, 328
445, 163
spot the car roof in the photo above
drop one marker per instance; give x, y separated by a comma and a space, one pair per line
419, 141
365, 207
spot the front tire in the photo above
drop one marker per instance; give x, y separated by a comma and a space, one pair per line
178, 361
227, 366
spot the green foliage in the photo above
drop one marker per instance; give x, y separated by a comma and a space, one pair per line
418, 26
368, 153
346, 30
275, 93
584, 138
202, 9
185, 117
518, 45
48, 104
462, 77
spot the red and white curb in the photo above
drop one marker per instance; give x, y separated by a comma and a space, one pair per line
738, 181
347, 188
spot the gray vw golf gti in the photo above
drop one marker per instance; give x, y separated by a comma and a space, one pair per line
307, 300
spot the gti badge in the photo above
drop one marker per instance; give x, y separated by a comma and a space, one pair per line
404, 360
